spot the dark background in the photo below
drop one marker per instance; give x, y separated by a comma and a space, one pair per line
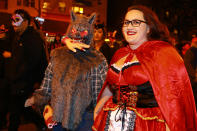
181, 19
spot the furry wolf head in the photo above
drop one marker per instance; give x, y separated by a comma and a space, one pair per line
81, 28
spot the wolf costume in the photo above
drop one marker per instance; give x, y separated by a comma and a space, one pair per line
69, 81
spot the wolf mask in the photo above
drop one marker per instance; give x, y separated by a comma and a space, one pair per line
81, 30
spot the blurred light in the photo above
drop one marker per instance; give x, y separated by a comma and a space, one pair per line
81, 10
62, 4
41, 20
107, 40
47, 34
76, 9
167, 13
175, 31
45, 5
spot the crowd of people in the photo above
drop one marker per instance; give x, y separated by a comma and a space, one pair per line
145, 85
55, 44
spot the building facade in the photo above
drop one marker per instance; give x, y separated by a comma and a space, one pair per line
56, 13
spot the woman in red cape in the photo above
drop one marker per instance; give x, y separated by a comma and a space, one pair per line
147, 87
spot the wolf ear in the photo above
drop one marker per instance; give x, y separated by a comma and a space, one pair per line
73, 16
92, 18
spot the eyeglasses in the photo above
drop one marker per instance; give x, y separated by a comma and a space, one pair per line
134, 23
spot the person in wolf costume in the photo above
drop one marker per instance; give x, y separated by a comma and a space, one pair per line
72, 79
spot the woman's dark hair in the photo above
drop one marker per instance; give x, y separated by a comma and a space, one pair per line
158, 31
100, 26
24, 14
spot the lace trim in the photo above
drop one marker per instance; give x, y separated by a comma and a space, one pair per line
107, 121
125, 64
138, 114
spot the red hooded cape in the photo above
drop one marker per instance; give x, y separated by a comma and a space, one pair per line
170, 82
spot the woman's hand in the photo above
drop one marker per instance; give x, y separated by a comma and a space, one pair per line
29, 102
73, 45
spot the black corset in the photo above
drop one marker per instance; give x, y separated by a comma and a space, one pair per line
146, 96
134, 96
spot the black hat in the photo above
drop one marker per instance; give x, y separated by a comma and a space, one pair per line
98, 26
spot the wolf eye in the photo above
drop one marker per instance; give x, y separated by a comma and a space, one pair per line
84, 33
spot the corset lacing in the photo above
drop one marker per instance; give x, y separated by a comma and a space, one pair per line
123, 112
124, 96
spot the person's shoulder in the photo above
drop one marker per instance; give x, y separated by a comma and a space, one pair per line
32, 34
99, 56
189, 54
156, 46
59, 51
193, 49
105, 45
30, 30
190, 50
161, 50
96, 52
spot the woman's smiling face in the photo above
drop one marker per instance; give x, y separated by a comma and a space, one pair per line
135, 33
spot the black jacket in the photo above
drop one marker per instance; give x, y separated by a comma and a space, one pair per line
28, 62
190, 59
4, 46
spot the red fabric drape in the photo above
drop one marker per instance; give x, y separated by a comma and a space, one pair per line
170, 82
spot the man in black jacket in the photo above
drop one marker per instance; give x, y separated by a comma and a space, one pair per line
190, 60
5, 55
26, 67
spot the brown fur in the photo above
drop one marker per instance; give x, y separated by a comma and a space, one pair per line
71, 86
71, 91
